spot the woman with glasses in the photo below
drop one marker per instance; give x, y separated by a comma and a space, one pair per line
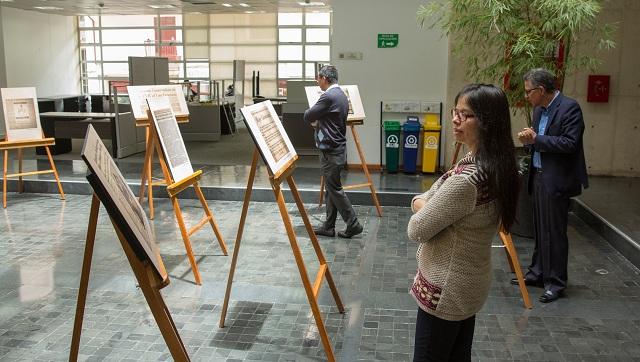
456, 220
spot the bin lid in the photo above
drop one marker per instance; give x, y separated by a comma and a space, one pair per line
391, 125
430, 127
411, 126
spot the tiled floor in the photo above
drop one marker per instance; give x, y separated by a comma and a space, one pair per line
42, 242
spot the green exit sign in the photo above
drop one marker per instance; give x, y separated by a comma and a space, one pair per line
387, 40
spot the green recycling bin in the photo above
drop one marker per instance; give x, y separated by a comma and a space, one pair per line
392, 145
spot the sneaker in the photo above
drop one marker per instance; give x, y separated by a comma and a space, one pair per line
321, 231
352, 231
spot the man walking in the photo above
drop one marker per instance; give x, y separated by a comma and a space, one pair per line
329, 118
557, 173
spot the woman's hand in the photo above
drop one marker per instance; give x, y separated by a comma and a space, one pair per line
418, 204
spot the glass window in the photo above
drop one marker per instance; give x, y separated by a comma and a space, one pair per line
198, 70
89, 53
116, 69
290, 52
122, 53
257, 53
318, 19
243, 36
289, 18
317, 35
195, 36
86, 21
176, 70
93, 70
94, 86
196, 19
310, 70
290, 70
170, 20
217, 20
122, 21
128, 36
267, 70
196, 52
221, 70
172, 52
320, 53
89, 37
290, 35
170, 35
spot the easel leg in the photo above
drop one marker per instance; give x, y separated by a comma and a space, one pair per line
185, 239
55, 172
314, 242
150, 176
4, 179
513, 257
143, 178
365, 168
84, 278
20, 184
236, 246
321, 191
315, 309
212, 220
150, 285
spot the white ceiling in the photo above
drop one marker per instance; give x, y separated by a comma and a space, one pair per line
133, 7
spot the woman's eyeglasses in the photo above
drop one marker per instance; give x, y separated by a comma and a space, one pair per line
461, 115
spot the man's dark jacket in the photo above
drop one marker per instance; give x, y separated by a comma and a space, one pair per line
564, 170
331, 112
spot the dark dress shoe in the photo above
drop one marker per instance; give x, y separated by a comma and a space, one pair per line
528, 282
550, 296
352, 231
324, 232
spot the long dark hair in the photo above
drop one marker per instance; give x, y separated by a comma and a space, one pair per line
495, 153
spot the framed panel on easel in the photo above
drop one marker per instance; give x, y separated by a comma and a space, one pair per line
356, 109
120, 202
170, 138
138, 96
21, 116
270, 137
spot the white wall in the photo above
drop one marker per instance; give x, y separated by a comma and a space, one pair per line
613, 129
41, 51
415, 70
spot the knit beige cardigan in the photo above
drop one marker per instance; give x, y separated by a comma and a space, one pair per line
454, 231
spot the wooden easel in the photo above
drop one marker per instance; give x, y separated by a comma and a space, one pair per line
173, 189
311, 290
352, 124
510, 250
147, 166
7, 145
149, 281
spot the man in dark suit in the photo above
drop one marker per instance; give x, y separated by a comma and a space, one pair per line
557, 173
329, 119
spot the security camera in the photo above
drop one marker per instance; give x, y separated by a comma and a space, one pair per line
101, 5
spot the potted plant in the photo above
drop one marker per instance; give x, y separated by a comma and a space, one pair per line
500, 40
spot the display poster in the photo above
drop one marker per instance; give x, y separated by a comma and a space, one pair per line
356, 109
269, 135
170, 138
139, 94
21, 116
119, 201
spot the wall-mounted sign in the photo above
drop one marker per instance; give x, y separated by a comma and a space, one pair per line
598, 91
387, 40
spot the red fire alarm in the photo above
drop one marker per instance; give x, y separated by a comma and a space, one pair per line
598, 91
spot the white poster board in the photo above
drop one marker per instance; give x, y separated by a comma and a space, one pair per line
139, 94
170, 138
269, 136
356, 110
21, 116
119, 201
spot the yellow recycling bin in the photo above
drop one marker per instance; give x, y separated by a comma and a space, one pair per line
431, 137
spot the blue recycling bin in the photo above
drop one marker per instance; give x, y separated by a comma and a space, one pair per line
411, 130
